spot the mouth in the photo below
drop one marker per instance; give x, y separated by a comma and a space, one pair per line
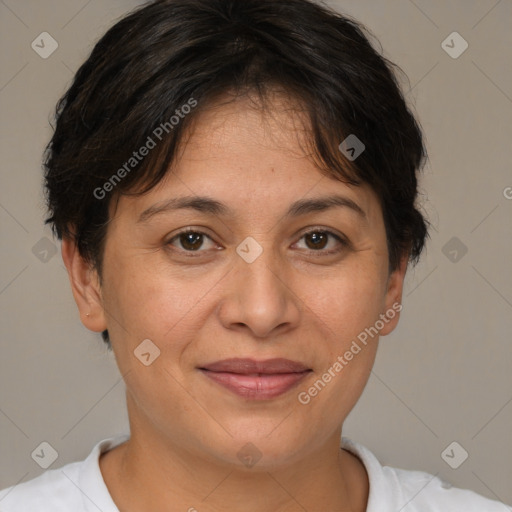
256, 380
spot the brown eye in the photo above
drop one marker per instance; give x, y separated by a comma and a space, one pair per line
323, 242
316, 239
189, 240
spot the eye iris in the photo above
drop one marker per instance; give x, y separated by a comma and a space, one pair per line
193, 240
190, 240
319, 239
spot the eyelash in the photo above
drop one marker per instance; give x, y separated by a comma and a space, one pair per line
343, 243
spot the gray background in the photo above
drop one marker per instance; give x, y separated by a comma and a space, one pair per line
444, 375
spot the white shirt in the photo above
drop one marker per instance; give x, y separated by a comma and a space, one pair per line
79, 487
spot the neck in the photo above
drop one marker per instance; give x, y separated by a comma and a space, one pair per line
150, 471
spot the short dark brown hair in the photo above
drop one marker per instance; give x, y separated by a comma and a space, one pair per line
169, 54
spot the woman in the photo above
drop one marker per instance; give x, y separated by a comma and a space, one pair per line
234, 184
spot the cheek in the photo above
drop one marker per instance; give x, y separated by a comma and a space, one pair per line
344, 316
348, 302
346, 309
147, 299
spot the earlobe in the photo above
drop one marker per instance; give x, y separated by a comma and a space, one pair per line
85, 287
393, 298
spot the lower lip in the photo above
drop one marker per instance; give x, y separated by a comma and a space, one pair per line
256, 387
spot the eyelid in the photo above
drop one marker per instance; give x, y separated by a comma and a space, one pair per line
341, 239
323, 229
189, 229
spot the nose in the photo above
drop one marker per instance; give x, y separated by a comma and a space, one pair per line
259, 297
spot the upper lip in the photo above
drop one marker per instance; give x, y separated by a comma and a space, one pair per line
250, 366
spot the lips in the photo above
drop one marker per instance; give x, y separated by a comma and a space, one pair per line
256, 380
246, 366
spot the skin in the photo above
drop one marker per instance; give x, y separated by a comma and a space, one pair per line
290, 302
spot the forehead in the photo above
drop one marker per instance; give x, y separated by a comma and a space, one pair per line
243, 154
279, 125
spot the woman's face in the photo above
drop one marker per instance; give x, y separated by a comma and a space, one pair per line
280, 293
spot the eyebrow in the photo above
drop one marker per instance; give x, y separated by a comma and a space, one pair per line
208, 205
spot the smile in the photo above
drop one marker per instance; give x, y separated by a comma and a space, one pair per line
259, 386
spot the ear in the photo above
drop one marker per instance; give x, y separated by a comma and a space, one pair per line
85, 286
393, 297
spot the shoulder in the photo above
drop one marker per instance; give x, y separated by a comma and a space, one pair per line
394, 489
51, 491
428, 493
78, 486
